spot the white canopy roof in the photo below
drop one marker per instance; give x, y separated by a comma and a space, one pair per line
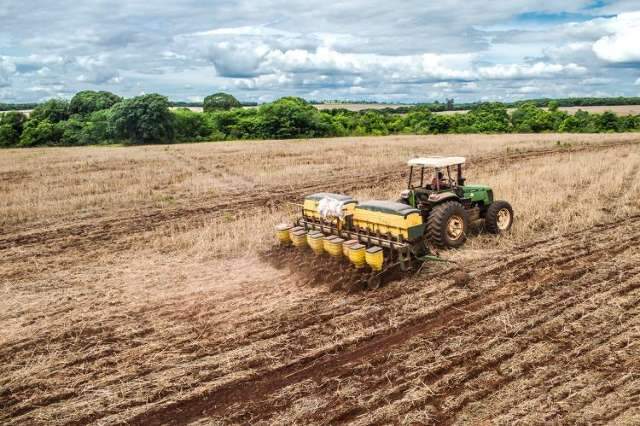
436, 162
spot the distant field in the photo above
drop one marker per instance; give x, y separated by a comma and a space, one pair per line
194, 109
360, 107
617, 109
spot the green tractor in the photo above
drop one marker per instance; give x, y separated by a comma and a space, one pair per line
448, 205
380, 236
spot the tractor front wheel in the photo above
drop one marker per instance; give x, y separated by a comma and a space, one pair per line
499, 217
448, 224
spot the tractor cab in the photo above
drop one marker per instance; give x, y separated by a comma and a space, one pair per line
433, 179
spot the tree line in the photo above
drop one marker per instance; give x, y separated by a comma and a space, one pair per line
436, 106
102, 117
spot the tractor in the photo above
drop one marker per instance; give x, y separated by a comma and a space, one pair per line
378, 236
447, 205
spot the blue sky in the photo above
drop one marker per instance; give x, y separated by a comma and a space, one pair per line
260, 50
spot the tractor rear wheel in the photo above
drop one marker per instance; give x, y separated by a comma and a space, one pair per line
448, 224
499, 217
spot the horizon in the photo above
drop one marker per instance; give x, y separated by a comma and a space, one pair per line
365, 102
263, 50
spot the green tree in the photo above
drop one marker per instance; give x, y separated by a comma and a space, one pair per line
88, 101
11, 126
291, 117
490, 117
530, 118
220, 102
40, 133
607, 122
54, 111
442, 123
71, 132
418, 121
96, 128
628, 123
14, 119
580, 122
8, 136
468, 123
341, 121
372, 123
143, 119
235, 124
191, 126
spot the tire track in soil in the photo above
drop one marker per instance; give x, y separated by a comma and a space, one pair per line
217, 401
440, 274
598, 335
81, 237
465, 358
633, 383
538, 315
561, 305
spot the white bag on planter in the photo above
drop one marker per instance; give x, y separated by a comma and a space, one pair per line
330, 207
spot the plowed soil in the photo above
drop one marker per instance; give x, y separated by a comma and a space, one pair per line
112, 319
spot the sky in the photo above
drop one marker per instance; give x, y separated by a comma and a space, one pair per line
376, 50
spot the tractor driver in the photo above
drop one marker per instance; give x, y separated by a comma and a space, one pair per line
438, 181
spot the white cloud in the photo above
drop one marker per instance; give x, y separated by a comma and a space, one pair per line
528, 89
597, 81
622, 44
7, 69
263, 49
537, 70
637, 83
251, 59
97, 69
167, 54
264, 81
572, 51
469, 87
242, 59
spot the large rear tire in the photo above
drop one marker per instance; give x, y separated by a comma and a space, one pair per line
448, 224
499, 217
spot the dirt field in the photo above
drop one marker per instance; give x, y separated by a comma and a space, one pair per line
359, 107
134, 289
616, 109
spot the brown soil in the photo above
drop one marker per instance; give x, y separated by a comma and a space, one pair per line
122, 232
533, 319
105, 322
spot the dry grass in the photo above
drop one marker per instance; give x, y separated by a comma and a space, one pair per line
118, 301
44, 183
573, 191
